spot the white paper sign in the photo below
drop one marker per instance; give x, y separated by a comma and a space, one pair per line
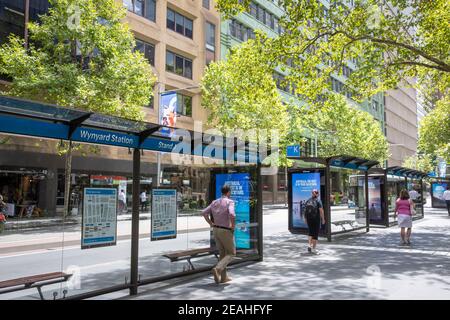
164, 214
99, 217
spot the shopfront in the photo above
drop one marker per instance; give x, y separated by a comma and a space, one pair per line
125, 252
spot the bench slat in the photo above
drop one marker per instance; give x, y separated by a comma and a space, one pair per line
32, 279
180, 254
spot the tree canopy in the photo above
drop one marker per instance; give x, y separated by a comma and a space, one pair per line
419, 162
80, 55
385, 42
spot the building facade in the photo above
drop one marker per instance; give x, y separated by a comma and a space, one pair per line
178, 37
401, 124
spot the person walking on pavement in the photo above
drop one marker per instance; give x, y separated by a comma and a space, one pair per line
314, 215
404, 207
143, 197
122, 202
446, 197
223, 224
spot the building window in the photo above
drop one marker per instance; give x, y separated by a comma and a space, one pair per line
143, 8
184, 105
240, 31
179, 23
178, 64
206, 4
147, 49
210, 42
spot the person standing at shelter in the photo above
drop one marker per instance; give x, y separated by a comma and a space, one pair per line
223, 224
403, 209
314, 215
446, 197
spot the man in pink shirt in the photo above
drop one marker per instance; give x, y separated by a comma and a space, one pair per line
223, 223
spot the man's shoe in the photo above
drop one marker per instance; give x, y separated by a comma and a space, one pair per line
309, 250
216, 275
226, 280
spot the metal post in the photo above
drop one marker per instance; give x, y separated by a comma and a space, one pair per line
366, 191
134, 265
26, 20
67, 177
386, 200
259, 212
327, 200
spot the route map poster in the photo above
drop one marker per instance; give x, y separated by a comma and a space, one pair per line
164, 214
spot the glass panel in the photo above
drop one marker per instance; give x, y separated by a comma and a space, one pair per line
211, 34
170, 19
188, 68
179, 23
188, 28
150, 10
128, 4
348, 200
416, 195
139, 7
205, 4
187, 102
170, 61
179, 65
210, 56
37, 8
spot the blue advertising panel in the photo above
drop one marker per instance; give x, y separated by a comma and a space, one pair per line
302, 186
99, 226
437, 192
375, 212
164, 214
293, 151
240, 194
168, 112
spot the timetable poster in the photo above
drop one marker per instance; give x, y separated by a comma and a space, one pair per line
99, 218
164, 214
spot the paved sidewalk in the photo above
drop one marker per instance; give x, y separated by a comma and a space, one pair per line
367, 266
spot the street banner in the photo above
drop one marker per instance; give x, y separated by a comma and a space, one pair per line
164, 214
99, 226
302, 186
240, 194
168, 113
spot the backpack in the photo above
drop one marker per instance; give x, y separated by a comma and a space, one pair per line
311, 208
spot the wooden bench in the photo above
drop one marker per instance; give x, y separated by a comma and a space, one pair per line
36, 281
190, 254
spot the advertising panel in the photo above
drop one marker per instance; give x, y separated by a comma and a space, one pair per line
99, 227
240, 194
375, 213
437, 191
164, 214
302, 186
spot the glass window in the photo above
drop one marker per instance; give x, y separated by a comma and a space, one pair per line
206, 4
128, 4
184, 105
188, 68
170, 61
253, 9
170, 19
210, 56
179, 23
139, 7
150, 10
188, 27
147, 49
210, 34
179, 61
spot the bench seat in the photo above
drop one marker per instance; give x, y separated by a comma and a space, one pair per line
189, 254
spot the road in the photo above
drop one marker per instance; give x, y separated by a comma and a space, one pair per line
40, 251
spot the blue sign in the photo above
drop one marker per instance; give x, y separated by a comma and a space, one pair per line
99, 227
293, 151
240, 194
302, 186
36, 128
112, 138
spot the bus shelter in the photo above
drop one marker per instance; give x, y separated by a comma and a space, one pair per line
438, 186
343, 185
165, 240
388, 183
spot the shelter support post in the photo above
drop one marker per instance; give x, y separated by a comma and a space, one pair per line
67, 176
134, 267
259, 212
366, 191
327, 206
